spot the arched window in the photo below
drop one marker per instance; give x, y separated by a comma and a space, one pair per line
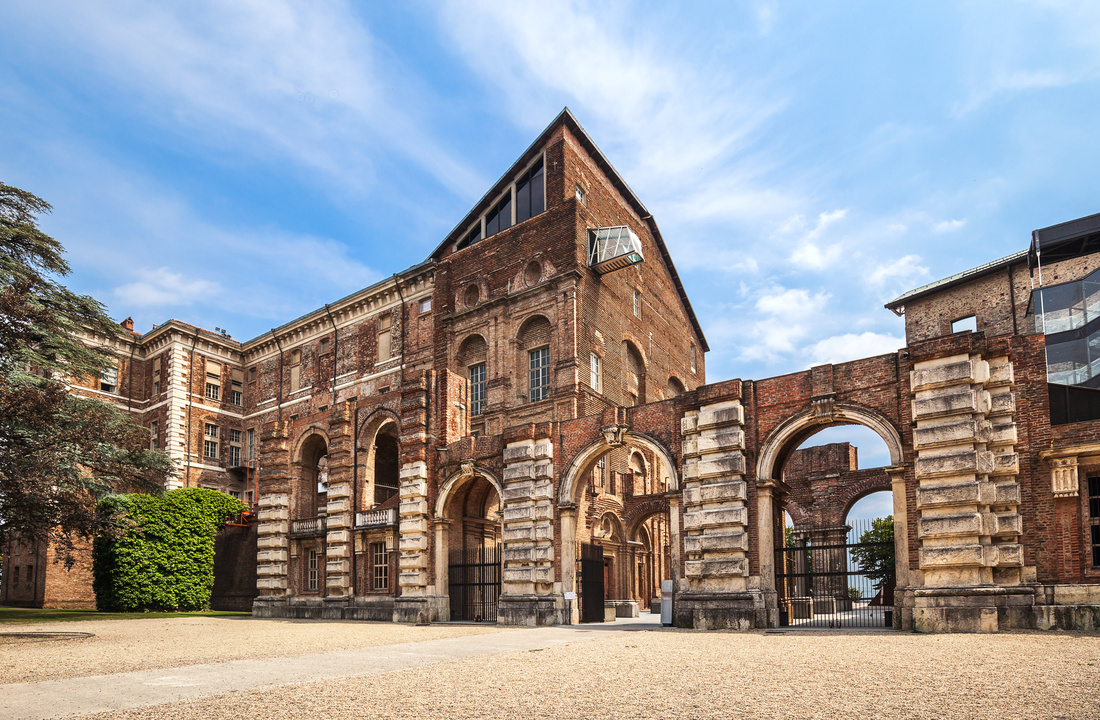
635, 374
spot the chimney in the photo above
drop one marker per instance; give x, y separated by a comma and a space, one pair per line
128, 324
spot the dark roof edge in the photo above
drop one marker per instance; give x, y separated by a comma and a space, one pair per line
957, 279
565, 117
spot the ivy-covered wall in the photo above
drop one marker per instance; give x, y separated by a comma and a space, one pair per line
157, 551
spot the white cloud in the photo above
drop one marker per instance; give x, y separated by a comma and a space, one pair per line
810, 252
850, 346
789, 316
266, 79
947, 226
161, 287
905, 269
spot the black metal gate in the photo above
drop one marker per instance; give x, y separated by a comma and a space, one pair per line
827, 578
474, 582
591, 567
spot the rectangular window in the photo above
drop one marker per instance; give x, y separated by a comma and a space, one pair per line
313, 572
211, 430
425, 306
210, 449
594, 371
540, 374
235, 436
235, 493
693, 357
108, 379
156, 377
477, 389
213, 391
251, 443
154, 441
323, 346
500, 217
471, 238
1094, 519
234, 456
966, 324
384, 323
581, 198
252, 373
236, 397
530, 193
295, 378
637, 304
380, 566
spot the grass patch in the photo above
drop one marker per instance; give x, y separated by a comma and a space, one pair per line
33, 615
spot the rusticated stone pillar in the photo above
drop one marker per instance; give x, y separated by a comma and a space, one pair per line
967, 494
528, 595
338, 552
272, 544
714, 592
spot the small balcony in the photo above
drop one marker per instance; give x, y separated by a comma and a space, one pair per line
308, 527
386, 517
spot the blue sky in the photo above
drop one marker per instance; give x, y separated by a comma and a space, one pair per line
239, 164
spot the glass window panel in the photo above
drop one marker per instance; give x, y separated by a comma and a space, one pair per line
1063, 308
540, 374
477, 389
1090, 288
1067, 363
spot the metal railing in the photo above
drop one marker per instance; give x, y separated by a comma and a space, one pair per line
308, 526
376, 518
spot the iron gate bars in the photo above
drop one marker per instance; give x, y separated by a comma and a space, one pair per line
474, 583
825, 578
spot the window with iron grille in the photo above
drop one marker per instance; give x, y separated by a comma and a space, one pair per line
540, 374
1094, 519
380, 566
477, 388
313, 573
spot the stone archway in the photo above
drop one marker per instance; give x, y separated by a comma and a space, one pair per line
468, 510
575, 476
778, 446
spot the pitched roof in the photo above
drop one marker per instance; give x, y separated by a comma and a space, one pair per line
957, 279
566, 118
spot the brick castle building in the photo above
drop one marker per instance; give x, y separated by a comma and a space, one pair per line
520, 428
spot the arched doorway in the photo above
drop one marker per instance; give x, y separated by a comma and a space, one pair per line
618, 536
468, 545
309, 505
813, 566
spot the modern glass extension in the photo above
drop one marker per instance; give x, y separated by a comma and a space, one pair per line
613, 248
1069, 316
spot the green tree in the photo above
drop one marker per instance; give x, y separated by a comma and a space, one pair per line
876, 561
58, 453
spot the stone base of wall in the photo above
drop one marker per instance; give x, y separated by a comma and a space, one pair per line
717, 611
378, 608
421, 608
623, 608
533, 610
981, 609
269, 607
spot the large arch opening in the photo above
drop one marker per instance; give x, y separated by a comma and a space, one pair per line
309, 505
819, 547
468, 540
618, 523
376, 498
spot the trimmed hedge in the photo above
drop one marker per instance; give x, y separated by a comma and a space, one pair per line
157, 551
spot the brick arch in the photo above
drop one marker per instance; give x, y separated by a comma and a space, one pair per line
638, 514
591, 452
794, 429
458, 478
860, 490
303, 437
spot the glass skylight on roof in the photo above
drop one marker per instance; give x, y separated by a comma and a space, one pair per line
613, 248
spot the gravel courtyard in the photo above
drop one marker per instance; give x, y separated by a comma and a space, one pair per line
606, 674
